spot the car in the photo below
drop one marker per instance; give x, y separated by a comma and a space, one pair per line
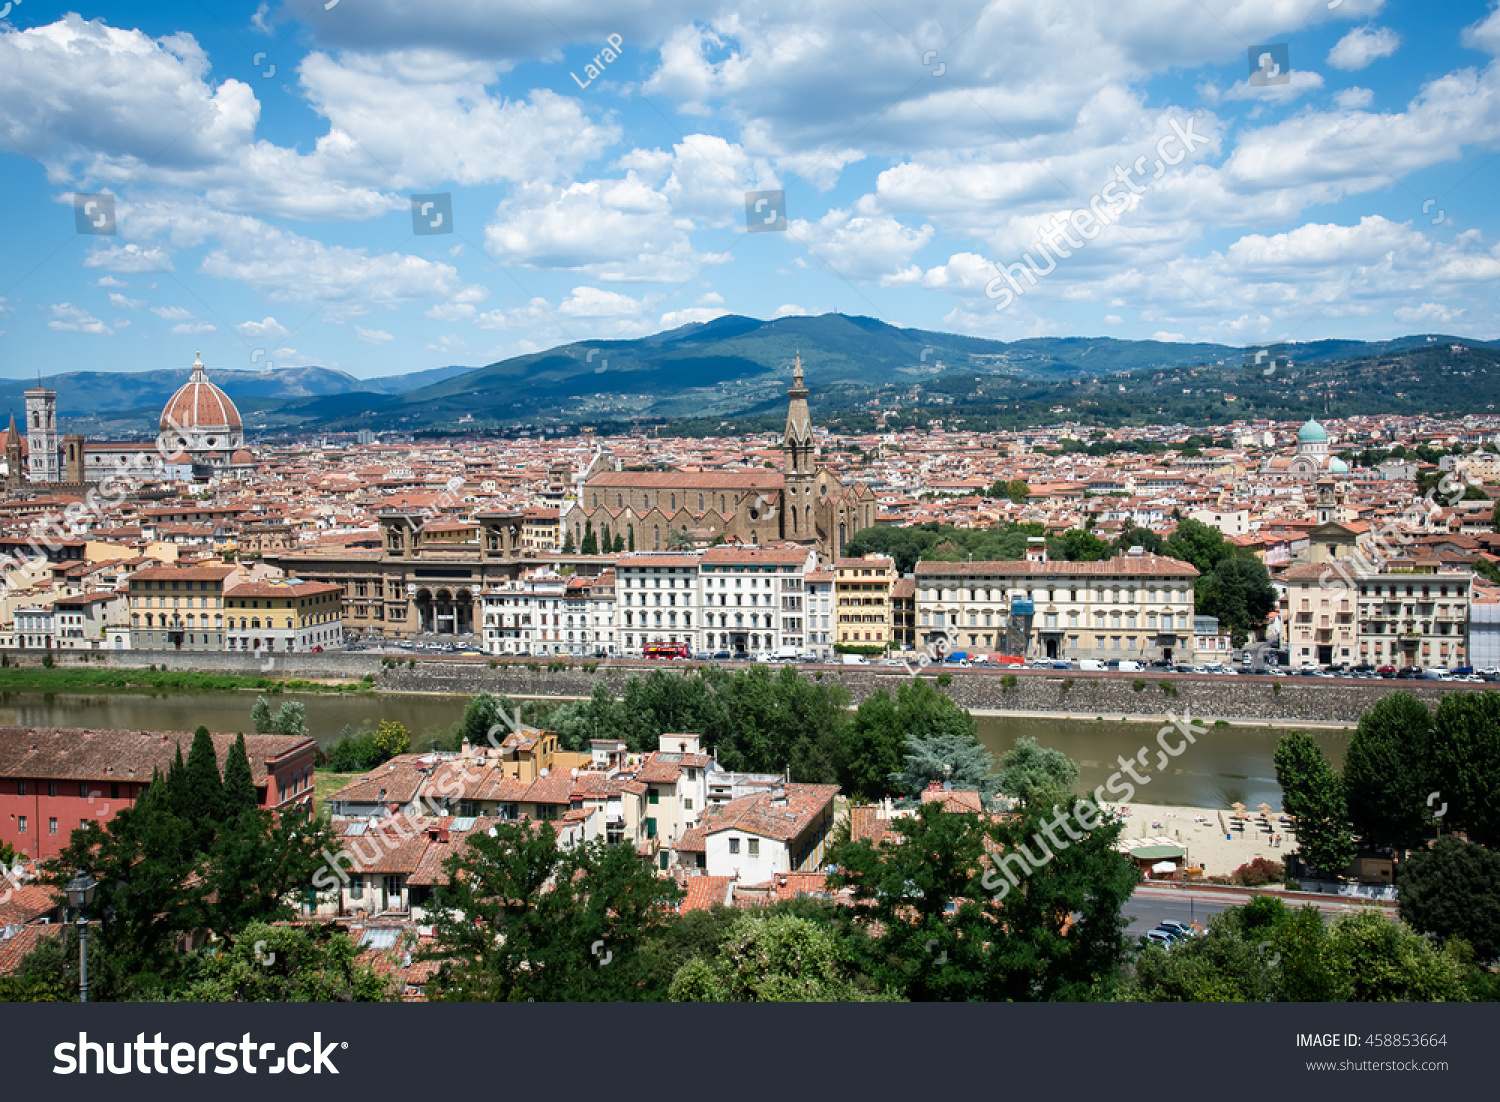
1161, 663
1172, 924
722, 655
317, 650
1408, 673
703, 656
1156, 937
1364, 667
1461, 671
1386, 671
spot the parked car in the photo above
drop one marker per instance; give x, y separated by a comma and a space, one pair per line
722, 655
1406, 673
1461, 671
1386, 671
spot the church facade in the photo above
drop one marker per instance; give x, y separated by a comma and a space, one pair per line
802, 503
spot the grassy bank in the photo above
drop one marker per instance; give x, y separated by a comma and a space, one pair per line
40, 679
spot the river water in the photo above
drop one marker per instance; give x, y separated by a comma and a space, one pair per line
1225, 765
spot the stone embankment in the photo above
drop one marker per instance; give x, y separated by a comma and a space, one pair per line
1283, 701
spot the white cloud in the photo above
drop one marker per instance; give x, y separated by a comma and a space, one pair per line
1353, 99
372, 336
862, 247
129, 258
1163, 335
194, 327
590, 302
691, 314
791, 310
171, 313
1363, 45
1427, 312
67, 318
109, 281
120, 302
266, 327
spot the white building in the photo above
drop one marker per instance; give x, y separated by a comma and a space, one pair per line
754, 599
525, 616
821, 628
656, 600
83, 621
34, 626
781, 829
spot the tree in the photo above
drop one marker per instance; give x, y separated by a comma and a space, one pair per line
948, 929
265, 963
1495, 518
1136, 536
771, 958
619, 545
1015, 489
568, 547
1453, 891
1385, 961
239, 782
1313, 795
958, 758
260, 716
589, 545
521, 919
291, 720
605, 543
1037, 776
630, 533
1388, 772
1200, 544
203, 792
1239, 592
870, 749
1077, 545
1465, 759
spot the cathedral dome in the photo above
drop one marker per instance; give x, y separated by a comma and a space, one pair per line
201, 418
202, 406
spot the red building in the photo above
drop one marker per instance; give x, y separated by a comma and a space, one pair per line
53, 780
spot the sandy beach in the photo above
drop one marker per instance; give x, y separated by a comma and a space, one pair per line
1198, 829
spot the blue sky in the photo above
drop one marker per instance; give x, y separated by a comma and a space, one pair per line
261, 157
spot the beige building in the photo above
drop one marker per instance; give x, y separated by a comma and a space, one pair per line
178, 608
862, 590
1410, 613
1134, 606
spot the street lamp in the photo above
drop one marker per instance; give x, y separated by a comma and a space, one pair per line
81, 896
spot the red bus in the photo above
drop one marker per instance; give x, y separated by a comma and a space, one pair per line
666, 650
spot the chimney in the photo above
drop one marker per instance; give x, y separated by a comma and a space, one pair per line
466, 748
381, 797
778, 795
442, 834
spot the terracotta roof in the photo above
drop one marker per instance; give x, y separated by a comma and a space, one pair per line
200, 405
23, 940
58, 753
756, 814
704, 892
183, 573
761, 479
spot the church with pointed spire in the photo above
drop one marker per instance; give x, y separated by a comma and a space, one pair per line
803, 502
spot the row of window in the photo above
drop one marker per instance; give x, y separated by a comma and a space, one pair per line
84, 791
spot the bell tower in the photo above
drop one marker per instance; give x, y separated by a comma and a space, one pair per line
800, 466
41, 434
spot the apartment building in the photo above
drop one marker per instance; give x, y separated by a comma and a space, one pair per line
755, 599
1413, 612
821, 626
1136, 606
90, 621
589, 615
178, 608
525, 616
284, 617
656, 600
862, 593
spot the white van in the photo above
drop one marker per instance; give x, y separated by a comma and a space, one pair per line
1129, 665
1093, 664
854, 660
784, 654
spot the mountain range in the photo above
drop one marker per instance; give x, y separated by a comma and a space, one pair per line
731, 373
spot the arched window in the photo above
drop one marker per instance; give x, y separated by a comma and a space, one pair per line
656, 537
619, 501
674, 503
700, 503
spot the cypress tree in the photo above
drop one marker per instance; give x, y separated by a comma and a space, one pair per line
171, 798
239, 783
203, 789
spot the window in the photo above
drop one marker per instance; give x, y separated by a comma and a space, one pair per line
20, 824
734, 843
51, 826
20, 788
83, 790
754, 847
654, 797
52, 788
356, 887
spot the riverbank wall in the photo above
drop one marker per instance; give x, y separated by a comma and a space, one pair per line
1280, 701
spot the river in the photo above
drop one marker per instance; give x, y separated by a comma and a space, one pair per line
1224, 765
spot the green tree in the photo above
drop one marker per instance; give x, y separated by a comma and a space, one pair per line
265, 963
203, 791
1465, 760
619, 544
290, 720
1453, 891
1143, 538
521, 919
568, 547
487, 715
1077, 545
1388, 772
955, 757
1385, 961
1200, 544
1239, 592
771, 958
1495, 518
590, 544
1037, 776
260, 716
239, 782
1313, 795
870, 748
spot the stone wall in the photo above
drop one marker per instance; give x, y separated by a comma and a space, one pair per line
1283, 701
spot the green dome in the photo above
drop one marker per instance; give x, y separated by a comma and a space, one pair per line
1337, 466
1312, 433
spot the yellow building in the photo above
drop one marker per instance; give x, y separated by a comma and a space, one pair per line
286, 617
862, 594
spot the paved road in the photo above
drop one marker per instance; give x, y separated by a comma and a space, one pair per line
1150, 906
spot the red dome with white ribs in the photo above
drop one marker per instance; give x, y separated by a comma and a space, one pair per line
199, 406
